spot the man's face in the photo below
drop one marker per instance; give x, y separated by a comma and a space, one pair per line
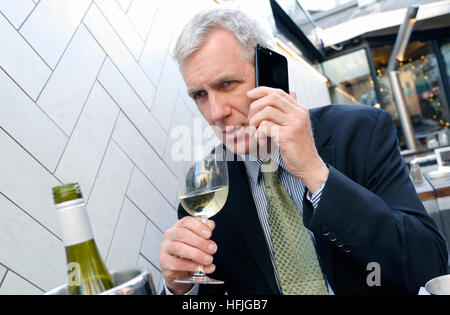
218, 79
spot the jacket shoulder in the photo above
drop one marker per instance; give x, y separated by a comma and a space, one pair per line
362, 117
335, 111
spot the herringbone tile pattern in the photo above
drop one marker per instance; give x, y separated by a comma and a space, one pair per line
88, 93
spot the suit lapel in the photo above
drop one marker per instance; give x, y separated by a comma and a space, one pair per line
245, 217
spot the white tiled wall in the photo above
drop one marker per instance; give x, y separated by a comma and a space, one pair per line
90, 93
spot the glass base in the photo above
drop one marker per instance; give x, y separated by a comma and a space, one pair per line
200, 280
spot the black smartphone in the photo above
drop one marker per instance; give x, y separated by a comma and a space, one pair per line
271, 69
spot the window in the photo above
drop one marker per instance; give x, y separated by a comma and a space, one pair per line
351, 81
421, 86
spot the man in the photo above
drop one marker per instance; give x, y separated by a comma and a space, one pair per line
339, 168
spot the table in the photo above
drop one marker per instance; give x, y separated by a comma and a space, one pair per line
435, 196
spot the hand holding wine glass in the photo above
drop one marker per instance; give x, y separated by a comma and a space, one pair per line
187, 245
203, 195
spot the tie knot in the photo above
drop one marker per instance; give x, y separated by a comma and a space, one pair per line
269, 169
269, 166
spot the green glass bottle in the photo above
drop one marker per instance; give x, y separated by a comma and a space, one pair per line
87, 274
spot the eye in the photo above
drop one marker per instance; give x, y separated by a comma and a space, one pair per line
198, 95
226, 84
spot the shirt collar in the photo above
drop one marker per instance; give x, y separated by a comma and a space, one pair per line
253, 164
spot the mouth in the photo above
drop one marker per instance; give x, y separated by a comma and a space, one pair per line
232, 132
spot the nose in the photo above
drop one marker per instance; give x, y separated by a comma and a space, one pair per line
218, 107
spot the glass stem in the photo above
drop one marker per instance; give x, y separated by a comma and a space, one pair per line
200, 272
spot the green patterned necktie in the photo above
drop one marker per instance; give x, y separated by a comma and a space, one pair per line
295, 255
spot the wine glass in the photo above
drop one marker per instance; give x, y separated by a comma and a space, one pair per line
203, 194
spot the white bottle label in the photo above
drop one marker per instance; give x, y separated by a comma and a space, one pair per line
74, 221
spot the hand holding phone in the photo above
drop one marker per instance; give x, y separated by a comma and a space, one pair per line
284, 120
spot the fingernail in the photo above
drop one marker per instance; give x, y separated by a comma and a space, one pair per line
206, 233
212, 247
208, 259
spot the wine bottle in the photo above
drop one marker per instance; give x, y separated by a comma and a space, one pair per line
87, 274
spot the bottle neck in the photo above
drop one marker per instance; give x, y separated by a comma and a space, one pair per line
74, 220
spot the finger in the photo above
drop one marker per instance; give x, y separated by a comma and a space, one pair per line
293, 95
176, 264
269, 113
277, 100
211, 224
196, 226
209, 269
268, 131
185, 251
262, 91
181, 234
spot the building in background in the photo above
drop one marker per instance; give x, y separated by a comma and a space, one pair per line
351, 41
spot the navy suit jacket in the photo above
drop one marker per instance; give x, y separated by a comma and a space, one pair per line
368, 212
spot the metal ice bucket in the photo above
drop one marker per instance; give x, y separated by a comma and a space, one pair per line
439, 285
134, 281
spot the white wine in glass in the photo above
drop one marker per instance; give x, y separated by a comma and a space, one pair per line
203, 194
206, 203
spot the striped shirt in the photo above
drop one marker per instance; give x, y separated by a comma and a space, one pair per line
293, 185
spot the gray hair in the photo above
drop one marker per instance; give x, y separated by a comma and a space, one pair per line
247, 30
